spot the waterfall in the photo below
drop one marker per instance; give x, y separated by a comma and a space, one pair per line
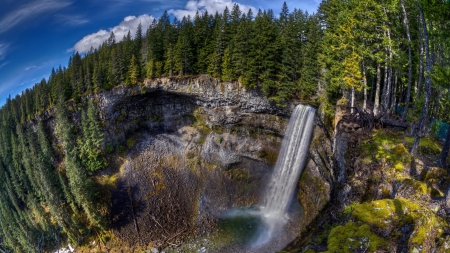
289, 166
290, 162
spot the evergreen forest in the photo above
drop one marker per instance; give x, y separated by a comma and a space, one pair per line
389, 56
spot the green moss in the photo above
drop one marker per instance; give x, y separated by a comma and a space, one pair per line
354, 237
391, 214
417, 190
385, 146
240, 175
429, 146
271, 156
342, 102
123, 115
320, 238
375, 213
435, 193
201, 125
349, 209
399, 167
436, 176
218, 129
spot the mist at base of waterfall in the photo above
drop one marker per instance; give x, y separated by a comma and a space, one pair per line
253, 230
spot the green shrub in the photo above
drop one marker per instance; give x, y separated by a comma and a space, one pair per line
120, 148
131, 142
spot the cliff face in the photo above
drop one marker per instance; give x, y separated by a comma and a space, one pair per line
161, 103
191, 148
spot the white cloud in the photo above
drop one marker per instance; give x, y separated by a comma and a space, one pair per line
30, 10
209, 5
129, 23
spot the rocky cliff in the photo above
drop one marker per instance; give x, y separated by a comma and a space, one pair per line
188, 148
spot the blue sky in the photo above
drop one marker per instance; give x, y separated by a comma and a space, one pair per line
37, 35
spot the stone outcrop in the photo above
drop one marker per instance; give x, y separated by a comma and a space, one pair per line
168, 100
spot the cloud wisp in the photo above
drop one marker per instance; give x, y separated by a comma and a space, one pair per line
71, 20
207, 5
30, 67
3, 50
3, 64
129, 23
30, 10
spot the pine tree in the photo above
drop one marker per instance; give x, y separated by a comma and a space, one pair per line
133, 74
91, 142
183, 54
80, 185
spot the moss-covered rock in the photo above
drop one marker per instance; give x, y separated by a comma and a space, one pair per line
317, 179
390, 215
354, 237
313, 193
385, 147
415, 190
437, 177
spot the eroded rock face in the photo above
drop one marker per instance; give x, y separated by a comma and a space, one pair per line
197, 147
318, 178
170, 100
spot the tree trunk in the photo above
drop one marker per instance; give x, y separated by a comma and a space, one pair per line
385, 95
394, 92
372, 84
388, 71
421, 57
376, 107
365, 86
401, 88
408, 36
436, 103
427, 91
443, 157
352, 99
390, 88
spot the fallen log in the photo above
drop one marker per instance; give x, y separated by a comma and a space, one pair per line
368, 120
393, 123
